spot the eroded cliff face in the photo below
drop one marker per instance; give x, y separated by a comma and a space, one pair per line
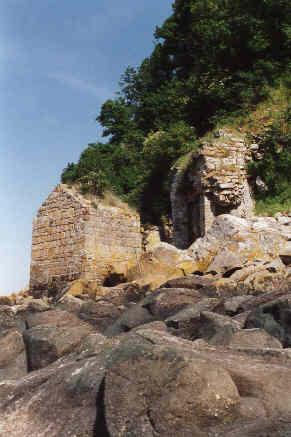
215, 183
73, 238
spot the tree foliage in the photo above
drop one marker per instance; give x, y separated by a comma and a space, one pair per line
212, 58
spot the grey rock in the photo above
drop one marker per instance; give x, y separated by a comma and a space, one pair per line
131, 318
202, 284
245, 338
226, 262
13, 362
258, 338
64, 399
211, 323
165, 302
9, 319
99, 314
53, 317
170, 393
46, 343
234, 305
187, 323
261, 186
266, 321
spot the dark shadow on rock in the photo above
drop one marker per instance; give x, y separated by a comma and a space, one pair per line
100, 428
272, 318
228, 273
28, 357
114, 279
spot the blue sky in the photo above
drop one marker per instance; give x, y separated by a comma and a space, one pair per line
59, 61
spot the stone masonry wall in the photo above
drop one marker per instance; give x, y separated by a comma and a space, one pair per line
112, 242
72, 239
215, 184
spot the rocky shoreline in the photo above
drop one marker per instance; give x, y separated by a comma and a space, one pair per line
205, 353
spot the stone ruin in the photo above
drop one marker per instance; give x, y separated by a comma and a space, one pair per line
75, 238
215, 183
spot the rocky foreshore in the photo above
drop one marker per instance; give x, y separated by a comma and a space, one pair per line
206, 353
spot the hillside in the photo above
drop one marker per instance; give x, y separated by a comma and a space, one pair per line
215, 63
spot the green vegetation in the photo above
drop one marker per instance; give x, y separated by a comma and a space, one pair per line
275, 166
215, 62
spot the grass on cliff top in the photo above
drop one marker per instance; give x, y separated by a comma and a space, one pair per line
107, 198
256, 119
111, 199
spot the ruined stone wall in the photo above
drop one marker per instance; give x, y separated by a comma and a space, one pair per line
216, 183
112, 242
72, 239
58, 239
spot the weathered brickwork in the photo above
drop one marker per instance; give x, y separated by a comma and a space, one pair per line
72, 239
216, 183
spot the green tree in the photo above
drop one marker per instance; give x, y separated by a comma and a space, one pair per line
94, 182
212, 58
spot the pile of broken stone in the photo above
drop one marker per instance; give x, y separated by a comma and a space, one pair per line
206, 354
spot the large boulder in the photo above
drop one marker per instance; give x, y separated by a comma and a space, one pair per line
203, 284
47, 343
99, 314
151, 383
51, 335
187, 323
248, 251
274, 317
211, 323
165, 302
9, 319
263, 374
159, 264
70, 303
13, 362
131, 318
226, 262
256, 338
53, 317
167, 254
167, 392
63, 399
